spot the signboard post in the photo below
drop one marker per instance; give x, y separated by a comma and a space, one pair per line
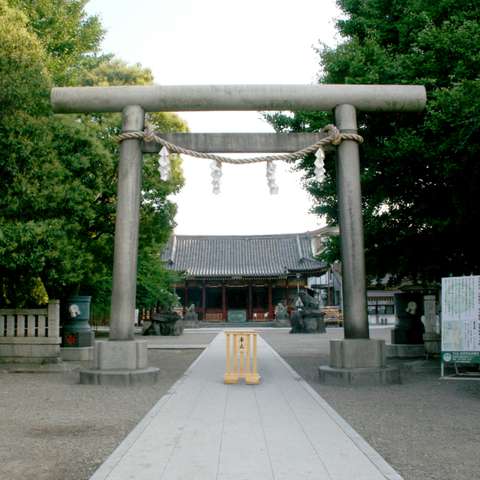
460, 320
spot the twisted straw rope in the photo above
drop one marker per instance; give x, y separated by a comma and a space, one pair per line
334, 137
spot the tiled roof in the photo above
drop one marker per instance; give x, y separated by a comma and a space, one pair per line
241, 256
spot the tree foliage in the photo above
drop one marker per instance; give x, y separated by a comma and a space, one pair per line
24, 79
420, 172
58, 172
68, 35
105, 70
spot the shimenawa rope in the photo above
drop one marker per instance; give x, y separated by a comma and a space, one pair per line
334, 137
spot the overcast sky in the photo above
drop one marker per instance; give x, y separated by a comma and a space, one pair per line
225, 42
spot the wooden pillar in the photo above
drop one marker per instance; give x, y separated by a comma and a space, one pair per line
286, 292
250, 300
204, 299
329, 287
185, 298
224, 302
270, 306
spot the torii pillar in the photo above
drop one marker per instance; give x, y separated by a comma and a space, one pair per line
357, 358
122, 359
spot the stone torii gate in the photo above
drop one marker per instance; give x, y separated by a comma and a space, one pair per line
122, 359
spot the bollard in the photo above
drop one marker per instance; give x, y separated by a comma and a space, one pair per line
241, 359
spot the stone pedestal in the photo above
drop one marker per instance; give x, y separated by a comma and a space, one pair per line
190, 320
165, 323
432, 343
190, 323
358, 362
405, 350
357, 353
314, 323
304, 321
431, 337
282, 318
282, 322
80, 354
119, 363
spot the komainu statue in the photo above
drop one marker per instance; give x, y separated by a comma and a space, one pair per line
281, 316
166, 323
190, 320
307, 316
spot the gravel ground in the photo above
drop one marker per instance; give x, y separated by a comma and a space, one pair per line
426, 428
52, 428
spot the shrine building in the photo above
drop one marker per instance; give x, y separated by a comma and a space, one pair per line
242, 278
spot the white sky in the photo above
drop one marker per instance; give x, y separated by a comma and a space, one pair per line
226, 42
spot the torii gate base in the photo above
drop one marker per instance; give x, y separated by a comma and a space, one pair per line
120, 363
358, 362
122, 359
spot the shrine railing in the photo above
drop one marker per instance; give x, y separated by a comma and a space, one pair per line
30, 335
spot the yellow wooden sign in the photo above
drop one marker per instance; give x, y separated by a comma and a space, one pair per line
241, 357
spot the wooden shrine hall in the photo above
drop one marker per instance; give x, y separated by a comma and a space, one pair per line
242, 278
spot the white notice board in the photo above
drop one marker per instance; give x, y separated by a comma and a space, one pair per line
461, 319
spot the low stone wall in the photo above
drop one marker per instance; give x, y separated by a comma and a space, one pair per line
30, 335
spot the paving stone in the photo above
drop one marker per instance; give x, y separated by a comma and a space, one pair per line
280, 429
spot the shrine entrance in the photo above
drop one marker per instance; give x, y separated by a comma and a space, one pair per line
123, 357
237, 297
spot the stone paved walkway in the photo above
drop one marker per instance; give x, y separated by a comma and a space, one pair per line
280, 429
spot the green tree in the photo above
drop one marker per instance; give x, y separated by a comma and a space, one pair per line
53, 214
69, 36
106, 70
24, 79
420, 172
58, 173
